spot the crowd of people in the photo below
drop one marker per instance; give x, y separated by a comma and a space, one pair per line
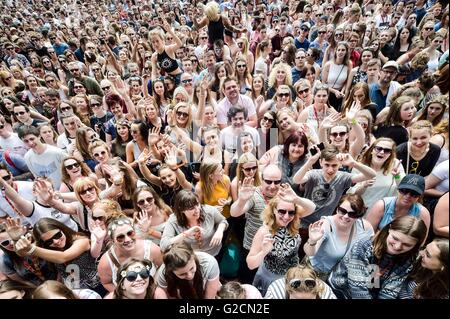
200, 149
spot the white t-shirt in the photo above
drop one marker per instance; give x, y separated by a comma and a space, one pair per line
224, 105
228, 137
441, 172
63, 141
41, 211
47, 164
14, 144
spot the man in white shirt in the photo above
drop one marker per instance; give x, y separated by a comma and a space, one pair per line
233, 98
10, 141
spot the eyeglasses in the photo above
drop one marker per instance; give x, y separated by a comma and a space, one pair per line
336, 134
5, 243
56, 236
100, 218
186, 81
283, 212
283, 94
249, 169
10, 48
269, 182
101, 153
131, 276
414, 167
380, 149
344, 212
182, 114
19, 113
72, 166
265, 118
308, 282
129, 234
144, 200
90, 189
409, 192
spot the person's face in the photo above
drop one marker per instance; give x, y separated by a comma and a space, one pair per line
247, 144
54, 238
217, 175
31, 82
139, 285
330, 168
407, 111
222, 72
151, 112
79, 88
182, 115
283, 95
373, 71
359, 95
88, 194
420, 138
437, 41
51, 82
81, 103
250, 169
238, 120
434, 110
116, 109
404, 34
145, 200
70, 124
75, 70
125, 237
210, 114
100, 154
187, 272
168, 177
8, 104
210, 61
156, 42
187, 66
6, 241
187, 81
159, 88
31, 141
135, 132
387, 75
366, 56
381, 152
296, 150
284, 213
123, 131
271, 183
280, 75
231, 90
21, 114
12, 294
321, 97
285, 122
73, 168
338, 136
399, 243
180, 97
211, 138
344, 219
300, 59
430, 257
341, 51
412, 19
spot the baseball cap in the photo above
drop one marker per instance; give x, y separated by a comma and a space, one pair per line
391, 64
306, 25
413, 182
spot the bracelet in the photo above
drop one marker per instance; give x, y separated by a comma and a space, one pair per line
397, 176
32, 250
309, 243
354, 122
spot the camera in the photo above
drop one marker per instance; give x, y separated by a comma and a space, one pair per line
313, 150
102, 41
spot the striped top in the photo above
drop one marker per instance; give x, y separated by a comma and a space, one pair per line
277, 290
255, 206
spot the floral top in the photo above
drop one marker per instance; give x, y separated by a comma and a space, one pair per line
284, 253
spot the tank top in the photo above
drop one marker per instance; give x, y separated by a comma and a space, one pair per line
284, 253
166, 63
114, 263
215, 31
337, 76
389, 211
219, 191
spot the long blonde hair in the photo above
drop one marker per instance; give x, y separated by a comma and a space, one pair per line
269, 219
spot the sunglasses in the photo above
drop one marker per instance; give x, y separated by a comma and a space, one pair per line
182, 114
78, 87
19, 113
428, 29
95, 70
186, 81
269, 182
95, 104
340, 134
249, 169
304, 29
203, 38
338, 34
90, 189
380, 149
132, 275
409, 192
303, 91
50, 81
5, 243
241, 66
72, 166
265, 118
308, 282
100, 218
65, 109
283, 212
344, 212
321, 32
101, 153
56, 236
144, 200
129, 234
106, 88
283, 94
74, 70
2, 126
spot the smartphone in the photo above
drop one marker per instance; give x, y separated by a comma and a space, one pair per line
313, 150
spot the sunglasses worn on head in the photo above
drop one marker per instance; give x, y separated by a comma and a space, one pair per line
144, 200
409, 192
131, 276
269, 182
129, 234
56, 236
350, 214
284, 212
308, 282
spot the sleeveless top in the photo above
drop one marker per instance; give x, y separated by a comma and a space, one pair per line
136, 150
219, 191
215, 31
166, 63
284, 253
337, 76
86, 265
389, 211
114, 263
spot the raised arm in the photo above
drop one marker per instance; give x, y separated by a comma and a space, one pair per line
262, 244
246, 191
21, 204
358, 144
300, 177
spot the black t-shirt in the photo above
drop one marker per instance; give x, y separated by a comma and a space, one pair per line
396, 132
424, 166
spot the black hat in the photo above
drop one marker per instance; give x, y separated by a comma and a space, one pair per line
413, 182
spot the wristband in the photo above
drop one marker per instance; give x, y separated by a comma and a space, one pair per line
32, 250
397, 176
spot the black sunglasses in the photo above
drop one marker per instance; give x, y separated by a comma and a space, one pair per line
89, 189
343, 211
248, 169
410, 192
148, 200
340, 134
56, 236
283, 94
132, 275
284, 212
6, 177
72, 166
19, 113
5, 243
378, 149
308, 282
182, 114
269, 182
101, 218
265, 118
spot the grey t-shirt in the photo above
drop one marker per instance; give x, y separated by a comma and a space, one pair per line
255, 206
325, 195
